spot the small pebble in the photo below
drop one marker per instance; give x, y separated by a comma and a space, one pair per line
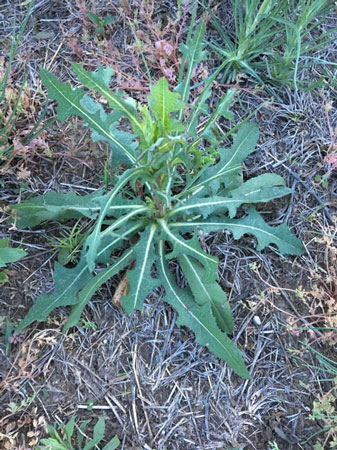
257, 320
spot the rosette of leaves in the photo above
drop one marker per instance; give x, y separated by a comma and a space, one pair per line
176, 180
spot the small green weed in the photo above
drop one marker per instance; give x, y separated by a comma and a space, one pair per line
62, 437
324, 407
322, 180
69, 244
14, 408
173, 180
100, 23
272, 41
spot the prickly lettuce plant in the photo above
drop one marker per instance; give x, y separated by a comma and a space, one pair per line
174, 180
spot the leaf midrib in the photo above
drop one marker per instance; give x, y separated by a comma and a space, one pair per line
230, 355
90, 120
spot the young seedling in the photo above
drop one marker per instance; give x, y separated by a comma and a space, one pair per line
189, 183
62, 437
100, 23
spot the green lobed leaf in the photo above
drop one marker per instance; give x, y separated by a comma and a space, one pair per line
61, 206
122, 143
9, 255
253, 224
67, 284
260, 189
99, 81
210, 293
194, 48
162, 103
190, 247
94, 284
140, 280
56, 206
76, 102
200, 319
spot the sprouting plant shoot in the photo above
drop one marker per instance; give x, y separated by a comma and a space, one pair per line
100, 23
189, 183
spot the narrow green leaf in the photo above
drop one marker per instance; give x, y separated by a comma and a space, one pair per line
9, 255
222, 110
95, 283
194, 51
113, 444
93, 17
207, 293
149, 128
200, 320
250, 224
200, 108
53, 444
76, 102
99, 431
190, 247
69, 429
140, 280
8, 334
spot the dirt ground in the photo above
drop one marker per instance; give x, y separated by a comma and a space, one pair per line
156, 388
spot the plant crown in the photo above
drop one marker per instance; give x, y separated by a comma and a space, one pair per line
174, 182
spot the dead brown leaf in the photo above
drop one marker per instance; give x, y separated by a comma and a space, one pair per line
121, 291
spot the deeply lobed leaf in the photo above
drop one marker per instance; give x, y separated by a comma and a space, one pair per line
76, 102
253, 224
200, 319
260, 189
207, 293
